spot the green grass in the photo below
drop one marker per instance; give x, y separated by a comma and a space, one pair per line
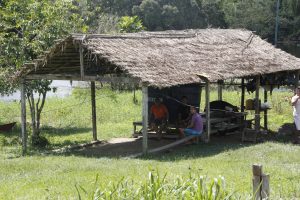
48, 176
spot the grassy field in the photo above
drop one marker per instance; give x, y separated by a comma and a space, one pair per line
67, 121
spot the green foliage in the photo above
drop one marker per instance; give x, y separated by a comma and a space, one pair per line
255, 15
29, 27
129, 24
157, 187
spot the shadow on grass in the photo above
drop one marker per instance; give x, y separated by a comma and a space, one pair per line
48, 130
132, 146
64, 131
217, 145
13, 138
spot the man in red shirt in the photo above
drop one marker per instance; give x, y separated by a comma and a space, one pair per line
159, 116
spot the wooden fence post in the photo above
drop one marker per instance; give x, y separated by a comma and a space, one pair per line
261, 187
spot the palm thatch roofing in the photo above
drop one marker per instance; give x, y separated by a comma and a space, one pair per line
163, 59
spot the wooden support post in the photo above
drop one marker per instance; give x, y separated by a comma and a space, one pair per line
297, 79
200, 97
145, 119
265, 111
220, 87
207, 114
257, 106
23, 118
243, 95
81, 62
261, 186
94, 118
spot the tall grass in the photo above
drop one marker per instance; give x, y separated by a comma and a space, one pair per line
157, 187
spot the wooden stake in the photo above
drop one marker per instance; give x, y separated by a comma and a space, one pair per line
265, 186
145, 119
257, 106
94, 118
256, 187
261, 186
257, 172
23, 118
207, 114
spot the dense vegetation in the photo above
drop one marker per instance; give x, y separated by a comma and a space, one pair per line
256, 15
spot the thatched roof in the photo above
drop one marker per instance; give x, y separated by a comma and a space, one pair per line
168, 58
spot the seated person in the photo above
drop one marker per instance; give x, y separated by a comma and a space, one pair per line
196, 125
183, 112
159, 116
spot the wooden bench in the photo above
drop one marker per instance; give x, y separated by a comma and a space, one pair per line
151, 134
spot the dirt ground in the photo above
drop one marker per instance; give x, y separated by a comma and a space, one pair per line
120, 147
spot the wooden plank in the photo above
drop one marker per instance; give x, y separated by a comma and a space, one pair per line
166, 147
93, 99
65, 76
23, 118
257, 113
53, 76
154, 135
145, 119
207, 101
174, 144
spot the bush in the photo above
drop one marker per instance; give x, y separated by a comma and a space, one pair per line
39, 141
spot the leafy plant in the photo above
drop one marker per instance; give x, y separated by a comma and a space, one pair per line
130, 24
158, 187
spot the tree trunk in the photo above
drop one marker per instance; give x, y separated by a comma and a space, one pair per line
33, 113
36, 110
39, 111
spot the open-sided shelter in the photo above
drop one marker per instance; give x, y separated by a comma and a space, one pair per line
160, 60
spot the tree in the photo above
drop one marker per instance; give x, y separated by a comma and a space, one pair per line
129, 24
27, 28
151, 14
